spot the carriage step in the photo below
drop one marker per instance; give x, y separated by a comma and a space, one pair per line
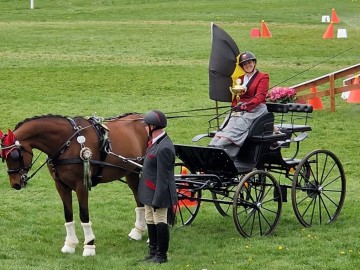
199, 137
299, 138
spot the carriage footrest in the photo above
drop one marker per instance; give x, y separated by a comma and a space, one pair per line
292, 161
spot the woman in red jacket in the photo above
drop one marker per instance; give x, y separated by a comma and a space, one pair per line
235, 128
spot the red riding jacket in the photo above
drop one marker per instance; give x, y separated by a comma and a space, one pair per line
256, 91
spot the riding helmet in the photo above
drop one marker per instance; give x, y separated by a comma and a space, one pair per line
246, 56
155, 118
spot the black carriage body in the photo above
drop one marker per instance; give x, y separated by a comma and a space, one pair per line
248, 184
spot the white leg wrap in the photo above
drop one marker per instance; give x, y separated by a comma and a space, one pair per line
71, 240
140, 224
89, 250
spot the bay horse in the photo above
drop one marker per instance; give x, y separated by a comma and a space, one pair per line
81, 153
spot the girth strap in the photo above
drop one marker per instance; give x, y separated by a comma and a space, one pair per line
102, 132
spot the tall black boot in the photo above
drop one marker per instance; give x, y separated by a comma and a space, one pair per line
163, 237
152, 233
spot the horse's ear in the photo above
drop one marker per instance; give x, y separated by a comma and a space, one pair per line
11, 136
1, 137
9, 139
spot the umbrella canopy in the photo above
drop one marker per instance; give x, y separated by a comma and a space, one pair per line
223, 65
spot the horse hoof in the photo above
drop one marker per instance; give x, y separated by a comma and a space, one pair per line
135, 234
68, 249
89, 250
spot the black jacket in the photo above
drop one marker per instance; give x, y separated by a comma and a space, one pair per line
157, 184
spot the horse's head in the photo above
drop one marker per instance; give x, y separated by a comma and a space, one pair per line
18, 159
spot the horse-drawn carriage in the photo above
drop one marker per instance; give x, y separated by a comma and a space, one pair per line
82, 152
249, 189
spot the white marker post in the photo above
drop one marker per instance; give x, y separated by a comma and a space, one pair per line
325, 19
341, 33
31, 4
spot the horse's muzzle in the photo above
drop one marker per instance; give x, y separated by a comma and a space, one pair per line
16, 186
23, 181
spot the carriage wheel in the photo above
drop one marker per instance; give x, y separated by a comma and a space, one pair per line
188, 204
318, 188
221, 196
257, 204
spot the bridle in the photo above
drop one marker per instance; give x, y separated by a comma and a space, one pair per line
15, 151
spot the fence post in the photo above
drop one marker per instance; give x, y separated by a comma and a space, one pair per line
332, 92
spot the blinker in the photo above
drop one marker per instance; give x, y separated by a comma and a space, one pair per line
14, 155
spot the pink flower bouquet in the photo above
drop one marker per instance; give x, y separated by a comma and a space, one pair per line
281, 95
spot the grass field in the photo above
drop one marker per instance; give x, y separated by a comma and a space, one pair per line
109, 57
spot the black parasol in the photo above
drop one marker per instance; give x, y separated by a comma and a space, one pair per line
223, 65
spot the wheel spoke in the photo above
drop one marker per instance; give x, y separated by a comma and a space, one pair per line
312, 203
331, 182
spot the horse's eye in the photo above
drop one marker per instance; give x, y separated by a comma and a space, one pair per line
14, 155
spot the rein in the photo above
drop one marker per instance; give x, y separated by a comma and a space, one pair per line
317, 64
194, 110
38, 169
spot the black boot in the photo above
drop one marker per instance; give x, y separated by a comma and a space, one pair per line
163, 237
152, 233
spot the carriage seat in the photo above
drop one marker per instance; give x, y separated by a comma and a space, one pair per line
261, 135
290, 108
262, 129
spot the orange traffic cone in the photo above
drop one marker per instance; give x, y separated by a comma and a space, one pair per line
329, 33
184, 170
185, 192
334, 17
354, 96
265, 32
315, 102
255, 33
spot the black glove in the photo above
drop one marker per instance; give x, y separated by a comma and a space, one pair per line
237, 107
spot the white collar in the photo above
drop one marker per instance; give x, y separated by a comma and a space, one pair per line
157, 137
247, 78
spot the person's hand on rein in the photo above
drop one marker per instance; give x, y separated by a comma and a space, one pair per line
241, 106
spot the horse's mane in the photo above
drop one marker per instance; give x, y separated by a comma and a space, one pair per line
62, 116
38, 117
112, 118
